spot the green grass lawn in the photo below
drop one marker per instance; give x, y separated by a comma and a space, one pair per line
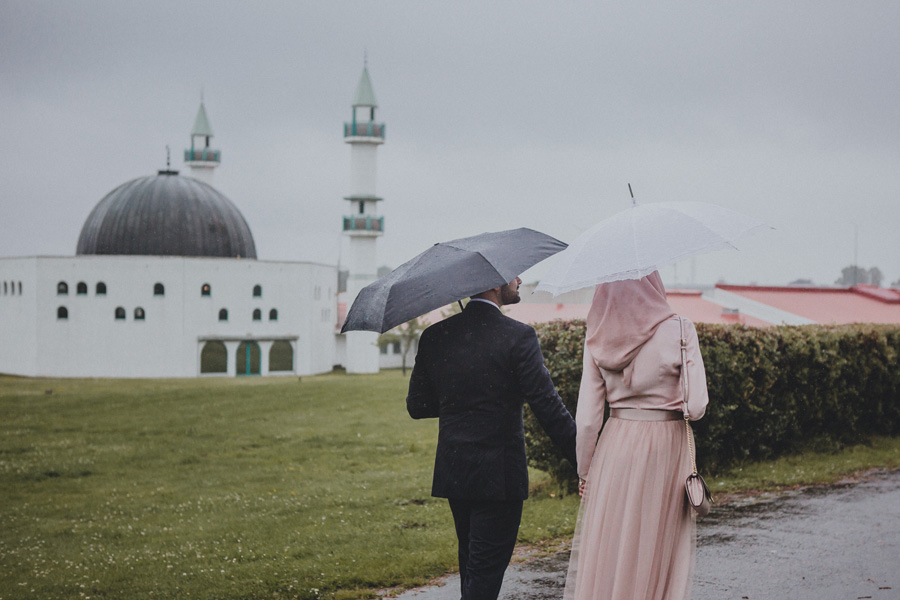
222, 488
249, 488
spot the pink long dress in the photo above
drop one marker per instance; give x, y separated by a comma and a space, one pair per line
635, 534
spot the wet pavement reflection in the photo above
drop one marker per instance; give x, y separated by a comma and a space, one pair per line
824, 543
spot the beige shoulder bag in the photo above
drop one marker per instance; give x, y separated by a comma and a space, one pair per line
698, 494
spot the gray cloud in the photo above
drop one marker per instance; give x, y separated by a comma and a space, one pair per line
498, 115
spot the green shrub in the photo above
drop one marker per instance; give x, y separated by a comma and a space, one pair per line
561, 344
773, 391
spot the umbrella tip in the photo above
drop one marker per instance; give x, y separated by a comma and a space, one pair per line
633, 201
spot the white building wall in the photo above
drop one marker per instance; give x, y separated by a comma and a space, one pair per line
361, 347
301, 293
320, 351
391, 357
340, 349
203, 171
363, 168
18, 349
91, 342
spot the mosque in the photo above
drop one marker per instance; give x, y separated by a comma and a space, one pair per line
165, 281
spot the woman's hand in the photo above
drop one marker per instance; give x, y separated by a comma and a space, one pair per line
581, 483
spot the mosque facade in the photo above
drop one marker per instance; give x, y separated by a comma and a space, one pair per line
165, 282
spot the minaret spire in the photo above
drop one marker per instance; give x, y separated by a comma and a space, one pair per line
363, 225
201, 158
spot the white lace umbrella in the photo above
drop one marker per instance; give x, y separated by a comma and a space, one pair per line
642, 239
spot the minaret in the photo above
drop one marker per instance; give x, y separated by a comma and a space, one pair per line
200, 157
363, 225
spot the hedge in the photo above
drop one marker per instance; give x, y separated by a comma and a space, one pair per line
772, 391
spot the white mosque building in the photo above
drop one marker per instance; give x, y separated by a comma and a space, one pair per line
165, 282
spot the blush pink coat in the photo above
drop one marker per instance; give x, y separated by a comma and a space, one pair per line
655, 384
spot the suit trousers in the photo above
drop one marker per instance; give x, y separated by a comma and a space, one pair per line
487, 534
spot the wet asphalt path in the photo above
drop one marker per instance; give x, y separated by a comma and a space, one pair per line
840, 542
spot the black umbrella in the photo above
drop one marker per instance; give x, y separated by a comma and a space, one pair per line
445, 273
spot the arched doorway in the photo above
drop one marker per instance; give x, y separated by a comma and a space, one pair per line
248, 358
281, 356
214, 358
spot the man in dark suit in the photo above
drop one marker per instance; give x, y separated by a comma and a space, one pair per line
474, 371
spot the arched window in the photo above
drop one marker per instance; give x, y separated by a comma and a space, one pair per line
273, 315
257, 291
214, 358
81, 288
62, 288
139, 314
101, 288
4, 288
20, 288
281, 356
205, 290
159, 289
120, 313
62, 313
257, 314
223, 314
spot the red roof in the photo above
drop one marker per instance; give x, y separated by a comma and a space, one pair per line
688, 303
857, 304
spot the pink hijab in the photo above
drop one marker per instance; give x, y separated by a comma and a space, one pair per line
623, 316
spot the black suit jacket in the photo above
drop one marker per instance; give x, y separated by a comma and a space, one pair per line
475, 371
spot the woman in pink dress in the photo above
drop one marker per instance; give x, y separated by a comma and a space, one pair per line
635, 534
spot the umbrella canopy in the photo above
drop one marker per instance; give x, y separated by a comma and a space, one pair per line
445, 273
640, 240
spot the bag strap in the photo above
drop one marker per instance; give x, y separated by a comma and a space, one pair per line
684, 404
684, 383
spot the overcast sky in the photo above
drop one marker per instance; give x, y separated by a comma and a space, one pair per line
498, 115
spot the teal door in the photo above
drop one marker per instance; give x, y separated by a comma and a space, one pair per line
248, 358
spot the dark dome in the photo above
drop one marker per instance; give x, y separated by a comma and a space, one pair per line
166, 215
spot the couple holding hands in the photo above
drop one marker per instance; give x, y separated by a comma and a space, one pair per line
635, 534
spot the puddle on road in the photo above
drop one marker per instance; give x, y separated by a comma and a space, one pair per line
826, 542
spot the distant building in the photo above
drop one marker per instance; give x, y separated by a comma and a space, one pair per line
693, 304
806, 305
752, 305
166, 283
